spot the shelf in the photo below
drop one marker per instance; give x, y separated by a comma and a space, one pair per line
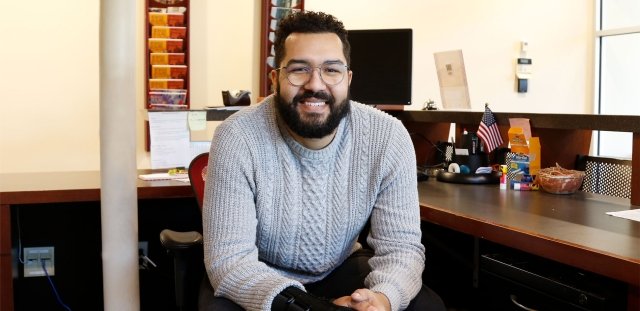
616, 123
167, 54
212, 114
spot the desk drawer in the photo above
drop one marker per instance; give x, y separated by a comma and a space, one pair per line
542, 284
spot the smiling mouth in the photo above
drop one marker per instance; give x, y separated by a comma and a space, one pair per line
313, 99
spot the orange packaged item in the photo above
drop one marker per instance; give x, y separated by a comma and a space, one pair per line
535, 155
166, 19
168, 72
166, 58
161, 45
163, 84
518, 141
168, 32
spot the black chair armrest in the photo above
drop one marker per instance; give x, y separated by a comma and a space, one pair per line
175, 240
186, 250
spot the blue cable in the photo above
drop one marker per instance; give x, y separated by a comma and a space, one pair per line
53, 286
19, 236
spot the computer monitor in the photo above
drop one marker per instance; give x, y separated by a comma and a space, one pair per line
381, 61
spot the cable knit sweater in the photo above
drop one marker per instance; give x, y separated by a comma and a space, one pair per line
277, 214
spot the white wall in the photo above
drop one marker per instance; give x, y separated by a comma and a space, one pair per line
49, 85
560, 35
49, 112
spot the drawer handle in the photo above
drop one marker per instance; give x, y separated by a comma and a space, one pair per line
515, 302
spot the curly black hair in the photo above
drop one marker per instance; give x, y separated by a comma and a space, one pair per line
309, 22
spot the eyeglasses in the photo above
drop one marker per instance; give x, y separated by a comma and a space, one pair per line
300, 74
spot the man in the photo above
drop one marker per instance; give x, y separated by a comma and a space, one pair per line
292, 182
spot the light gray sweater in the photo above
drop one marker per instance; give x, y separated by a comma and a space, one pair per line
277, 214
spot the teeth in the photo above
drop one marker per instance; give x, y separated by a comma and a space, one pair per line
314, 104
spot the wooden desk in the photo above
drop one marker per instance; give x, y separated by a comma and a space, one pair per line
571, 229
36, 188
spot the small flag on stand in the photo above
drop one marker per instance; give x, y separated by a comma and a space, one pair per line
488, 130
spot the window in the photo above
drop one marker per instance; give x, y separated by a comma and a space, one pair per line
618, 67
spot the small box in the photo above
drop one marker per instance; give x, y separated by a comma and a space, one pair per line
167, 99
163, 84
166, 58
168, 72
518, 141
517, 167
166, 19
168, 32
535, 155
162, 45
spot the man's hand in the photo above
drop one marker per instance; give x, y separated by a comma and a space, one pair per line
365, 300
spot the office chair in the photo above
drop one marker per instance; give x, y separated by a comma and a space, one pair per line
186, 247
606, 176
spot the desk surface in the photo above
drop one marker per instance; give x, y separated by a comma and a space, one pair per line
565, 228
572, 229
53, 187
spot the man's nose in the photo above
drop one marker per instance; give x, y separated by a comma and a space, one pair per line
315, 80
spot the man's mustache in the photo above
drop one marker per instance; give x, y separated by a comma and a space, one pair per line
319, 95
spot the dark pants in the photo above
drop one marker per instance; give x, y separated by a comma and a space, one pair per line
343, 281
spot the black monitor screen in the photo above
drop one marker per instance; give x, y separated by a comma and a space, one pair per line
381, 61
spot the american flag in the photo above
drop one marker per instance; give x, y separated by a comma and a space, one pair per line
488, 130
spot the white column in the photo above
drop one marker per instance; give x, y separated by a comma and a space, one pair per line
119, 209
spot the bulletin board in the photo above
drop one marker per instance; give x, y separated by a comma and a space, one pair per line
167, 54
272, 12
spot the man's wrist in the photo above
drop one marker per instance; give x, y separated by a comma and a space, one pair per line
293, 298
384, 300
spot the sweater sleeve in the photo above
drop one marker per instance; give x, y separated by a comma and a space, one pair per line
229, 227
395, 232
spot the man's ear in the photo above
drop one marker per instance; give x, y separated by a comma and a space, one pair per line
274, 79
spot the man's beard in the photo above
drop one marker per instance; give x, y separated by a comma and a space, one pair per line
312, 126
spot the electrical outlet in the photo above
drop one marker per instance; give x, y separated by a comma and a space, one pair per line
33, 259
144, 262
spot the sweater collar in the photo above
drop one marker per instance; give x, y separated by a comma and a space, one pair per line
302, 151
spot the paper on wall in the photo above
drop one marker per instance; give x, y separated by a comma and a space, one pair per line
452, 78
169, 135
